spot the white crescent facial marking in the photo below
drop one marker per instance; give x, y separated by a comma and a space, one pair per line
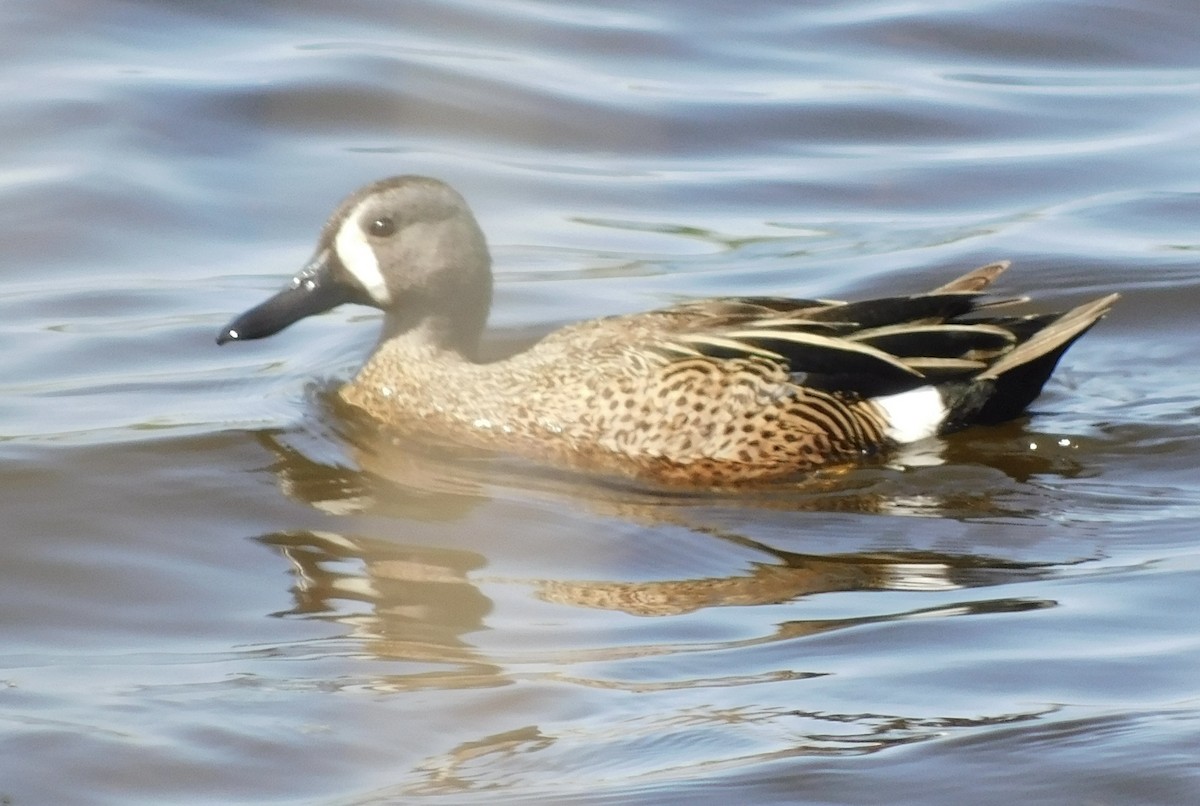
912, 415
358, 256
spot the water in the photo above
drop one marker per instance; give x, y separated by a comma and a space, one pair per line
212, 592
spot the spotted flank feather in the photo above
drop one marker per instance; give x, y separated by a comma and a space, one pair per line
708, 392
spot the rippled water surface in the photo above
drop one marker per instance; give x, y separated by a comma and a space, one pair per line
213, 590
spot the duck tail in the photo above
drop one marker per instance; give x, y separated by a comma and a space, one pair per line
1003, 390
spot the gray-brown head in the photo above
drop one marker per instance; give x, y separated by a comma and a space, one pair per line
407, 245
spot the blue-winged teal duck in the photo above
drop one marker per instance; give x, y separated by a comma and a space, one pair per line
710, 392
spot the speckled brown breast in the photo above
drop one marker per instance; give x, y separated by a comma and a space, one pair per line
591, 397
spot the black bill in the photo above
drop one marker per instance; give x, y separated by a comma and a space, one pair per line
320, 286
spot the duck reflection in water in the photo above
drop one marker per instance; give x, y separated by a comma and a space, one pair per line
422, 598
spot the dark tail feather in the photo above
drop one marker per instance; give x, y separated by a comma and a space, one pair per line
1003, 390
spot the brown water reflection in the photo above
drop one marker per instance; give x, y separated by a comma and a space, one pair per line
422, 606
418, 603
421, 596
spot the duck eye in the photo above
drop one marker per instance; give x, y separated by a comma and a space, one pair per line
381, 227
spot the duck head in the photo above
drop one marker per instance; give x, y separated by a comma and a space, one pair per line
407, 245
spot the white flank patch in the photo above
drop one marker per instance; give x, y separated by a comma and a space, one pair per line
912, 415
358, 256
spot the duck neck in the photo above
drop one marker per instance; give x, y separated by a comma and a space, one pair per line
430, 330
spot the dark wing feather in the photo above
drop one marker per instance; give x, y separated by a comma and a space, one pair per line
893, 310
868, 348
938, 341
800, 352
